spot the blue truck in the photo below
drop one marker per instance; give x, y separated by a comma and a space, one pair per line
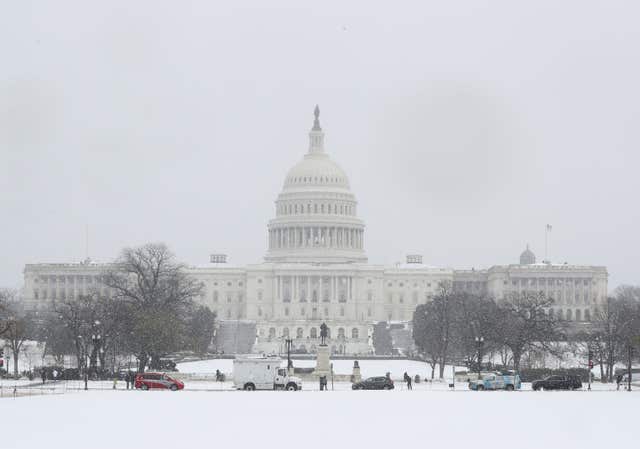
496, 381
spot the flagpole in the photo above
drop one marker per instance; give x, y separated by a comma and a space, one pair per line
547, 229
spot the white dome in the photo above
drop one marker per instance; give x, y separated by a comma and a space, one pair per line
317, 170
316, 213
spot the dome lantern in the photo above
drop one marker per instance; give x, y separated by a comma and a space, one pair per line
527, 257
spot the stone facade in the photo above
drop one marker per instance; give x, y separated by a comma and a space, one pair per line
316, 270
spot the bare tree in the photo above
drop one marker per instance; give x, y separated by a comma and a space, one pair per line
17, 326
157, 293
7, 298
433, 328
616, 323
524, 325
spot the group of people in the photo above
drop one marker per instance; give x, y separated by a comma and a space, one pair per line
130, 379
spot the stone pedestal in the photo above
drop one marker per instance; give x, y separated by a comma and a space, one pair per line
356, 376
323, 362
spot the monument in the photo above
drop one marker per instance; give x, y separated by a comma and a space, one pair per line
323, 362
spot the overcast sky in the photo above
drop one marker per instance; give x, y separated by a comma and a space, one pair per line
464, 126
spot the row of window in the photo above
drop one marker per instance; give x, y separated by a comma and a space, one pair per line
229, 296
230, 283
550, 282
55, 294
322, 208
571, 315
314, 332
314, 312
414, 296
316, 179
66, 279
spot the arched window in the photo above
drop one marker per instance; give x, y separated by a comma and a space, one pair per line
578, 315
354, 332
560, 314
315, 208
299, 332
272, 332
341, 333
322, 208
259, 311
285, 332
286, 311
587, 315
215, 296
569, 315
313, 333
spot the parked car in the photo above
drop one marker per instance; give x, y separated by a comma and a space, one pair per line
147, 381
496, 381
374, 383
557, 383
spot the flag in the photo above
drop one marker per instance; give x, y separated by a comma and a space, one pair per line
549, 228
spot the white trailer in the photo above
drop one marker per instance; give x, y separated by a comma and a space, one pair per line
263, 373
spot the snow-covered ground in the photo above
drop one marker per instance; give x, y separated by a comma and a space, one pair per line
313, 419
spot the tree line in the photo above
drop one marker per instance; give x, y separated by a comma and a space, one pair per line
463, 329
150, 312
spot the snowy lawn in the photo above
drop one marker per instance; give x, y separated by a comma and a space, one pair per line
313, 419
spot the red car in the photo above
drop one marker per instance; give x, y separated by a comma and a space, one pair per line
146, 381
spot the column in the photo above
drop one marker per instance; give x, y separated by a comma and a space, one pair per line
294, 289
333, 288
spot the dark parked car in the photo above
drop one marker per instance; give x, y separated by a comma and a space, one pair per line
374, 383
557, 383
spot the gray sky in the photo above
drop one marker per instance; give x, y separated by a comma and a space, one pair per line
464, 126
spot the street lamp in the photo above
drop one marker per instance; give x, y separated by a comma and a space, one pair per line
479, 344
630, 352
288, 343
83, 354
95, 339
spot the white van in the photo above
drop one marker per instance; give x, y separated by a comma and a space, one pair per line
263, 373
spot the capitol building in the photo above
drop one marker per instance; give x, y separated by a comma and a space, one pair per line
316, 270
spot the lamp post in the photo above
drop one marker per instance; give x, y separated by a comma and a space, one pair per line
479, 344
95, 339
288, 343
630, 352
83, 355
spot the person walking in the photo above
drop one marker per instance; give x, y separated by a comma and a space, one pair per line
618, 381
407, 379
43, 375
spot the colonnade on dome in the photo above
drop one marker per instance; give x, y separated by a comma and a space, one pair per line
294, 237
